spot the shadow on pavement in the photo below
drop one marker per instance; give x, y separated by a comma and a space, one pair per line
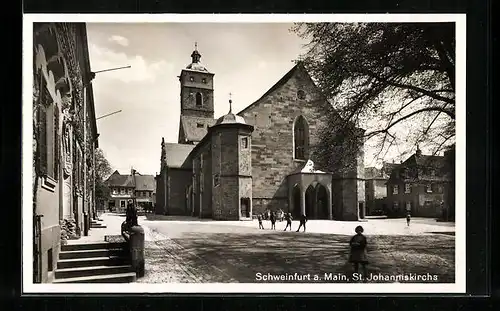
242, 256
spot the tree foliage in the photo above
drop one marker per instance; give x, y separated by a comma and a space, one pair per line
102, 171
395, 80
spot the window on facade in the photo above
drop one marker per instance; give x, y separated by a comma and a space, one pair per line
244, 143
130, 191
48, 133
204, 80
440, 188
122, 203
301, 94
122, 191
199, 100
408, 206
191, 79
407, 188
216, 180
300, 138
433, 172
115, 191
395, 189
429, 188
200, 125
395, 205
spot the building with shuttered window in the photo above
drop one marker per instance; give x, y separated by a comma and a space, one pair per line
64, 140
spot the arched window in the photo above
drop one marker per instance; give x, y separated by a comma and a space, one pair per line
199, 100
301, 139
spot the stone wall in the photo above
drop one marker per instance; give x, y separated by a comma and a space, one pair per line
180, 179
272, 139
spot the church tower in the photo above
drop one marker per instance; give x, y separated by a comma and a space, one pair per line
197, 100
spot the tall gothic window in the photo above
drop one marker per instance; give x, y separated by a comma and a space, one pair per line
199, 100
301, 138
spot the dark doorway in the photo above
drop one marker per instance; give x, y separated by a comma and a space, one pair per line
296, 201
310, 202
245, 207
322, 202
361, 210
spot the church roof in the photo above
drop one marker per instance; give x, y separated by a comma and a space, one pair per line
191, 126
145, 182
177, 154
230, 118
277, 85
196, 67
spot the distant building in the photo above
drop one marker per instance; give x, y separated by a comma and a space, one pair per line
144, 190
418, 185
130, 187
376, 187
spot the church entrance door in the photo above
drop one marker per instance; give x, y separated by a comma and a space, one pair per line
245, 207
310, 202
322, 201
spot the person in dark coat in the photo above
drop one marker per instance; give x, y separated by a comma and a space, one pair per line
259, 218
273, 221
408, 218
288, 218
357, 254
303, 220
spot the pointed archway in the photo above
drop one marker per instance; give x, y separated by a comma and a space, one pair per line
322, 202
310, 202
296, 201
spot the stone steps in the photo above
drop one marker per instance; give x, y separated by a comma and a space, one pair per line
100, 262
88, 253
127, 277
95, 245
91, 271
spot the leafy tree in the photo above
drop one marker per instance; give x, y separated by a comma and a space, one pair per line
395, 80
102, 171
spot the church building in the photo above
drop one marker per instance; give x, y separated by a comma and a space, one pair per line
260, 158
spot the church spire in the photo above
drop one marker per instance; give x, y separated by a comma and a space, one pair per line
195, 56
230, 104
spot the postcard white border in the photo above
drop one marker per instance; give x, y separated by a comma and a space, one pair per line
28, 287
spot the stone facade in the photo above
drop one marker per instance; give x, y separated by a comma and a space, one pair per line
64, 140
242, 163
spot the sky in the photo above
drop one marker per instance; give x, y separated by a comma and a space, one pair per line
247, 59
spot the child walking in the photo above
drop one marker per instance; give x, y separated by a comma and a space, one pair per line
358, 252
288, 218
259, 218
303, 220
273, 221
408, 218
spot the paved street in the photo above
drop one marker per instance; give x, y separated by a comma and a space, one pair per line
183, 249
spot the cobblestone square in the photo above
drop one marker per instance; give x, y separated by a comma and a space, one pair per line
184, 250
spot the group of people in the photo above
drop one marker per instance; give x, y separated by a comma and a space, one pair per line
286, 216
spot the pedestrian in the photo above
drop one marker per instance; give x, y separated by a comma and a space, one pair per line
408, 218
273, 221
303, 220
288, 218
357, 254
259, 218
